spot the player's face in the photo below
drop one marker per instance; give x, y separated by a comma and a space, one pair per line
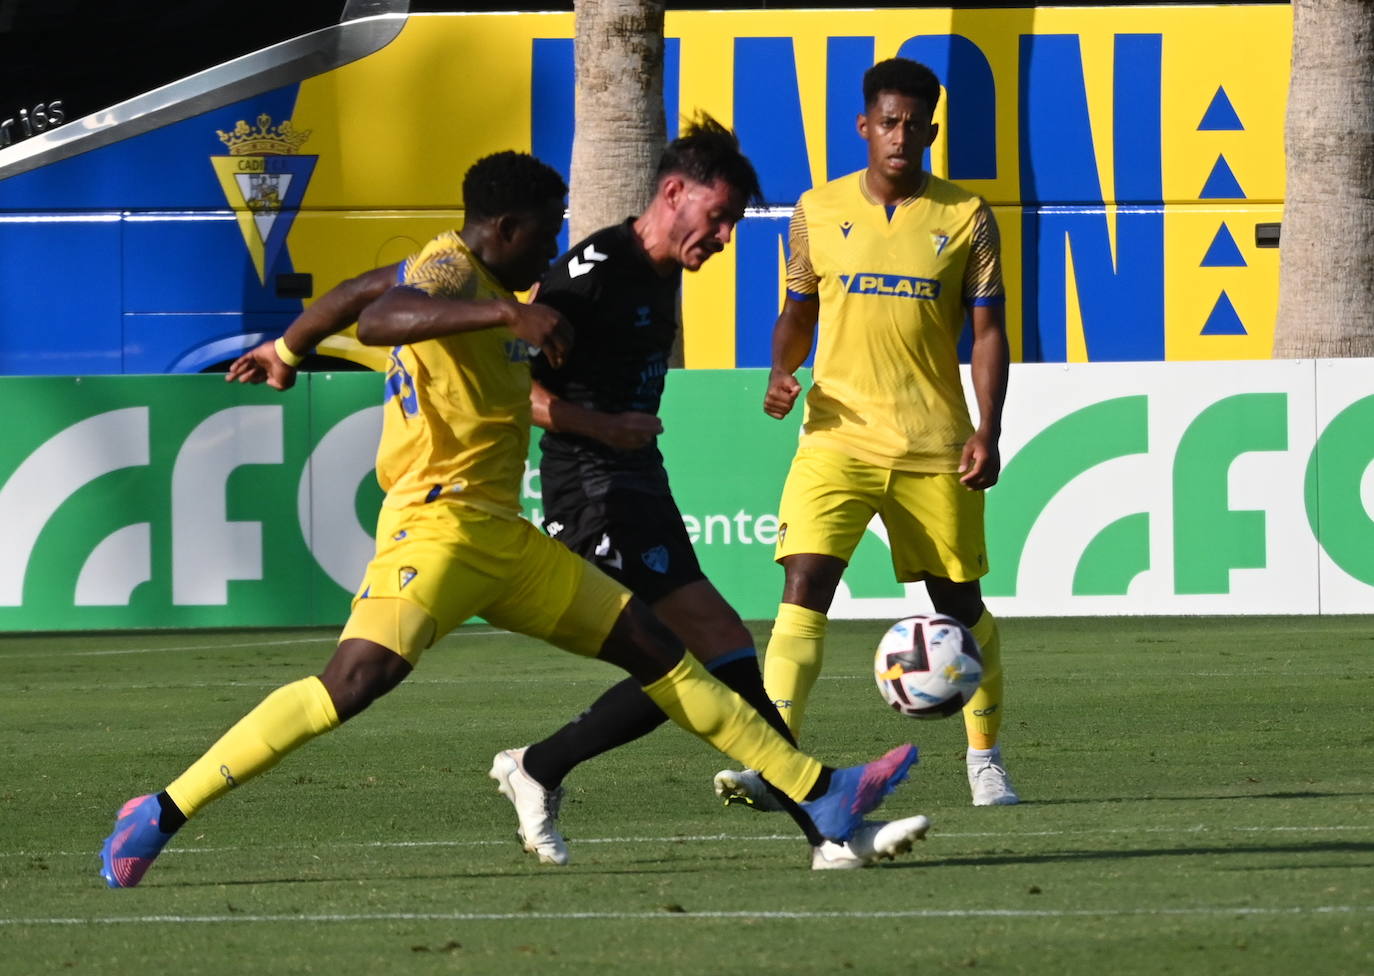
897, 129
531, 243
703, 220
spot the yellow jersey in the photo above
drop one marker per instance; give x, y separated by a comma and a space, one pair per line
893, 284
457, 408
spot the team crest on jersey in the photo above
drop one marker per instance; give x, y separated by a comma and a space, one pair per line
656, 559
940, 240
264, 180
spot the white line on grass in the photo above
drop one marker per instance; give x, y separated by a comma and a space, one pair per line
717, 838
323, 639
1199, 910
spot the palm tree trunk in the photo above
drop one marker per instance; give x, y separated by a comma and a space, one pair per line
1326, 271
619, 105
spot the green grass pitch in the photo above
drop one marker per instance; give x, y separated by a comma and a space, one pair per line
1199, 798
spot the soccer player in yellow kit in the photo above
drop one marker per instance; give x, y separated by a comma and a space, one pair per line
451, 543
888, 260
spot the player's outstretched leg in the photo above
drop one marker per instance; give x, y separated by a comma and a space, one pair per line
536, 809
871, 842
856, 790
134, 843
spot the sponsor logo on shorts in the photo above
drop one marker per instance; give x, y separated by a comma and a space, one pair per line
656, 559
407, 574
782, 533
553, 528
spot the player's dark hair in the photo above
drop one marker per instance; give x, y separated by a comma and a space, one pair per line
906, 77
509, 183
707, 151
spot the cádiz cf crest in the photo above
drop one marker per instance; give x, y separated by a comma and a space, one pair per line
264, 180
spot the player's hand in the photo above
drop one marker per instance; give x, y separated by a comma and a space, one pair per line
545, 329
628, 431
981, 463
783, 389
262, 364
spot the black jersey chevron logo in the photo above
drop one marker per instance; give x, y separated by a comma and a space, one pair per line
592, 257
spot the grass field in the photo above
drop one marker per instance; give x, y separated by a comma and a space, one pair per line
1199, 798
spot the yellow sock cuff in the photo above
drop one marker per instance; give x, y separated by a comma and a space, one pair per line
795, 621
695, 700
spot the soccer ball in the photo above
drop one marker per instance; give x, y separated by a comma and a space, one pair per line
928, 666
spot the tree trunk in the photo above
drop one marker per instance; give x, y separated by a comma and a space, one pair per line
619, 105
1326, 270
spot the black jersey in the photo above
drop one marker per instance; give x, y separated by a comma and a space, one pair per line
624, 319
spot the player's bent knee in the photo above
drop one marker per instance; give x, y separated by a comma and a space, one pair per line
359, 673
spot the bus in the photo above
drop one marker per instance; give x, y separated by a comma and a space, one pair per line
165, 218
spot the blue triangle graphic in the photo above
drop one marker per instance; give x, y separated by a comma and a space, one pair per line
1224, 253
1222, 184
1224, 320
1220, 115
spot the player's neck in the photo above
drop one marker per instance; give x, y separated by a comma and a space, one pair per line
889, 192
652, 233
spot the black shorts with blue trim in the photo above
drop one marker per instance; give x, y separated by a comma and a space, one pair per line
635, 537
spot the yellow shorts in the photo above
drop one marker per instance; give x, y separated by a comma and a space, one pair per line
454, 562
934, 524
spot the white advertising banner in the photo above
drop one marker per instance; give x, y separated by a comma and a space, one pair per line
1179, 488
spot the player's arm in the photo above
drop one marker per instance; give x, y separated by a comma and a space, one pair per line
981, 464
275, 361
622, 431
793, 335
403, 315
795, 330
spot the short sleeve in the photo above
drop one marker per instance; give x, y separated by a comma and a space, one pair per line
983, 274
441, 269
802, 280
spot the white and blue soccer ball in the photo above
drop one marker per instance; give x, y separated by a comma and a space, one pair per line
928, 666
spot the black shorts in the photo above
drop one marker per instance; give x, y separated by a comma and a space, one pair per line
635, 537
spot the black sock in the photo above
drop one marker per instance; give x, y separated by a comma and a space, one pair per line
625, 713
621, 715
822, 786
171, 819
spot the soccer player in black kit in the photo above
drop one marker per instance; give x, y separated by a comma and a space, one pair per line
605, 490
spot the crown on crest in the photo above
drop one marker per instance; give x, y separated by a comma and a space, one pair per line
264, 138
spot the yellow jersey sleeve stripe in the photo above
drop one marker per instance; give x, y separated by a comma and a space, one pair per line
802, 280
983, 274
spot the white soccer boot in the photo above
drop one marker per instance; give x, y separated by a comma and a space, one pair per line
745, 786
536, 808
872, 842
989, 783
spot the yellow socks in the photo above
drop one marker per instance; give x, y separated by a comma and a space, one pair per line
289, 717
793, 661
692, 698
983, 713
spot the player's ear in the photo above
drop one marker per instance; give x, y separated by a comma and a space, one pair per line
673, 189
507, 226
861, 123
932, 132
